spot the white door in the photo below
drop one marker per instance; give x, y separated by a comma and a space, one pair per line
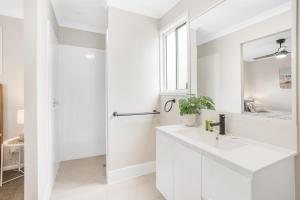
52, 64
187, 173
222, 183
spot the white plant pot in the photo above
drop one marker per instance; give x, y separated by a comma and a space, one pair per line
189, 120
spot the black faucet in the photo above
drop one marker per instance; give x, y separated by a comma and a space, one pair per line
221, 123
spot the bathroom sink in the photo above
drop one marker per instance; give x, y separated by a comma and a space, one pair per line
226, 143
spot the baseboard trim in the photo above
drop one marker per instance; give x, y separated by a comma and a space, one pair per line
12, 167
119, 175
69, 158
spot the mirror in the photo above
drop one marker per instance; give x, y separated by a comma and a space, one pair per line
267, 76
243, 57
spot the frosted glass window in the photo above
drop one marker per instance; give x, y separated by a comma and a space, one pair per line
176, 57
182, 69
171, 61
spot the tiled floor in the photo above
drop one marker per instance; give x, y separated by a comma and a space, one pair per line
13, 190
85, 180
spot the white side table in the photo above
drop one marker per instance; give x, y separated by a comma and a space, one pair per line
13, 143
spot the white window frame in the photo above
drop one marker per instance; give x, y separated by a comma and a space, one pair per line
183, 20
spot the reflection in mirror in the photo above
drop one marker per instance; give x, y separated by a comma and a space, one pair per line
229, 45
267, 76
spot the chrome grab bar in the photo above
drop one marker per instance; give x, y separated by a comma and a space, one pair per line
116, 114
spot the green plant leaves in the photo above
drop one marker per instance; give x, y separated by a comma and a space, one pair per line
193, 105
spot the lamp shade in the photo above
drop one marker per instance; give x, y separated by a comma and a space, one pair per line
20, 117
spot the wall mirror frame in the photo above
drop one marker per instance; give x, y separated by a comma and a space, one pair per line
204, 31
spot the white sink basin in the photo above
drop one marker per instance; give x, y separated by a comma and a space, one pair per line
229, 144
226, 143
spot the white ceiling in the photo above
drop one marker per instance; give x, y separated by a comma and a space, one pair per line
232, 15
12, 8
91, 15
265, 46
151, 8
88, 15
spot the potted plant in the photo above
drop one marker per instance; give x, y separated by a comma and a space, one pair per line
191, 107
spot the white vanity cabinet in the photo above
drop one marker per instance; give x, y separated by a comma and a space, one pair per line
186, 172
178, 170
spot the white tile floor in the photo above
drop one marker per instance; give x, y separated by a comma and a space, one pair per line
85, 180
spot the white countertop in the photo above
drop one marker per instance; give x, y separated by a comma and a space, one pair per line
250, 157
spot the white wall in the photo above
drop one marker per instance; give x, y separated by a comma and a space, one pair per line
172, 117
81, 102
133, 86
208, 74
262, 78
